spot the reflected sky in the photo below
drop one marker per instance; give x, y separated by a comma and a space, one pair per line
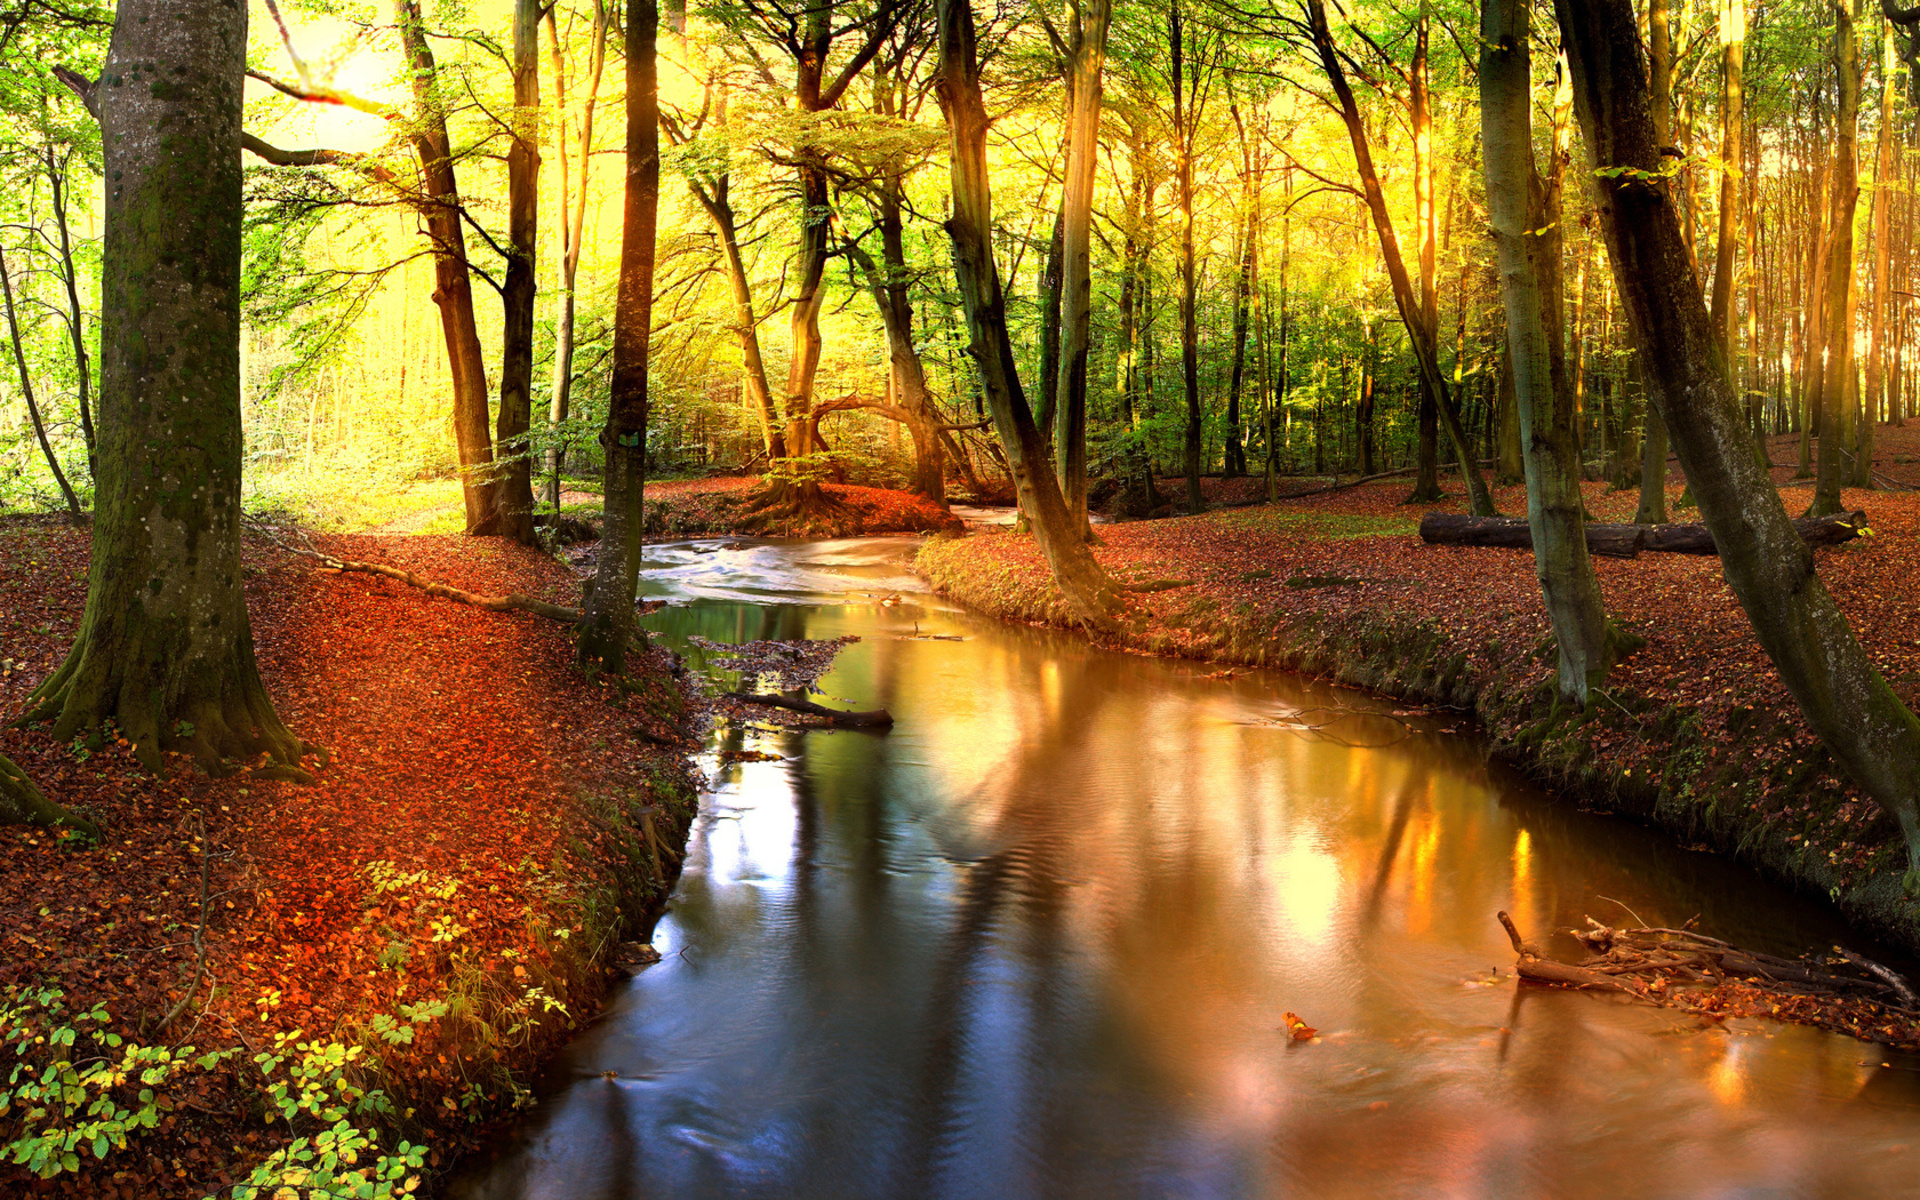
1037, 940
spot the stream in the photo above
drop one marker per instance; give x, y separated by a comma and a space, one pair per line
1038, 940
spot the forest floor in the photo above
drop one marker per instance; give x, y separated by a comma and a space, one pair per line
441, 907
1695, 732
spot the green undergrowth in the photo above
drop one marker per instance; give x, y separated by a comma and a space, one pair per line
1756, 789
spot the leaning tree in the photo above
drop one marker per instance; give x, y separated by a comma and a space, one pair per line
164, 650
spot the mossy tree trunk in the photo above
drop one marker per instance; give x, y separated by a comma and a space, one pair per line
1535, 371
21, 803
606, 621
164, 649
1089, 593
1871, 734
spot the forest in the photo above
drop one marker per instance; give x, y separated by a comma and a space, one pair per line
579, 577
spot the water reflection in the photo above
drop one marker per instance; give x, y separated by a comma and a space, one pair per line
1037, 940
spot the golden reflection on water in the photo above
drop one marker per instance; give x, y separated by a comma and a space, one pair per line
1038, 940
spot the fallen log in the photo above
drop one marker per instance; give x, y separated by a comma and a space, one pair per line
1513, 533
878, 718
1619, 540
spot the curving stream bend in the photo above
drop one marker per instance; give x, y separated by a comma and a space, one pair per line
1038, 939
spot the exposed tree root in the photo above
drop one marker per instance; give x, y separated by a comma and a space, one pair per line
789, 505
22, 803
1681, 968
511, 602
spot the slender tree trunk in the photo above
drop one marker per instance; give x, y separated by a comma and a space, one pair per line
164, 649
26, 393
1871, 734
1084, 583
1046, 297
1411, 310
453, 288
1838, 369
1236, 464
1184, 119
1547, 416
573, 220
1882, 235
76, 315
513, 497
606, 622
1085, 65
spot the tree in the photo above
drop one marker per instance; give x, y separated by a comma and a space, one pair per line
1089, 593
513, 490
1588, 644
1083, 56
1836, 384
1873, 736
606, 621
164, 650
26, 393
1413, 309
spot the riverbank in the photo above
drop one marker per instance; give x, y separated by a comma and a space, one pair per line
1695, 733
402, 941
722, 506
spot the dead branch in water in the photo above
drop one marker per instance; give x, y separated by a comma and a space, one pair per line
1844, 991
878, 718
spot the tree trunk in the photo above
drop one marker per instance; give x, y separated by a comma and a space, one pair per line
1084, 583
1184, 119
164, 648
1588, 644
1236, 464
1046, 297
1426, 356
1871, 734
1882, 234
1085, 65
453, 288
513, 494
76, 315
26, 392
573, 220
1838, 371
606, 622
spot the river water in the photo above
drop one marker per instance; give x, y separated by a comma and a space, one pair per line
1038, 941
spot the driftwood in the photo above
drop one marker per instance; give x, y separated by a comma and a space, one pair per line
878, 718
1617, 540
1687, 969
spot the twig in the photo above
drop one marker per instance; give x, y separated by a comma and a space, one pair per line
1636, 916
199, 931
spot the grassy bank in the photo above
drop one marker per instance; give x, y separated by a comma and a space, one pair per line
1693, 734
360, 973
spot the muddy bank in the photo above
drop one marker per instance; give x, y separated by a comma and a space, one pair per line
1694, 734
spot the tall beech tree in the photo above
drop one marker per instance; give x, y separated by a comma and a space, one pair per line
1089, 593
164, 648
513, 490
1873, 736
1516, 200
1836, 379
1083, 54
606, 621
573, 223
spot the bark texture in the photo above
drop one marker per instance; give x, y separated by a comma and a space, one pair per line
1084, 583
164, 649
1871, 734
606, 623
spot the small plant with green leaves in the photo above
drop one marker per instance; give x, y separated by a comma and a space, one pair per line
75, 1087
